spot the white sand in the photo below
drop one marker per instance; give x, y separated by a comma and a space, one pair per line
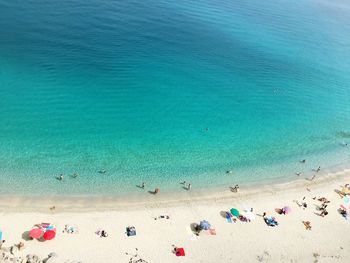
236, 242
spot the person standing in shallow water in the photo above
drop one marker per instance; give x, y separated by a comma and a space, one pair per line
189, 187
60, 178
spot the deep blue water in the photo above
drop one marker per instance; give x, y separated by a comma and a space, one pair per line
164, 91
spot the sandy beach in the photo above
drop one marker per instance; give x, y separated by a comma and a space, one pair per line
328, 241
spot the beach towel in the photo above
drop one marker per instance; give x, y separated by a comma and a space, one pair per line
212, 232
228, 217
1, 235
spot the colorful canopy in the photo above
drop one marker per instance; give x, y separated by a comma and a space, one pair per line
286, 210
36, 233
234, 212
204, 225
50, 234
346, 190
180, 252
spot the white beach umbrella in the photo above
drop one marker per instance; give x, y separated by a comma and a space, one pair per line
250, 215
246, 208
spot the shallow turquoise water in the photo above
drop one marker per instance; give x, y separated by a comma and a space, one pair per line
165, 91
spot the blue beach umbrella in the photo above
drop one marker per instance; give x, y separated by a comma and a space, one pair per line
204, 225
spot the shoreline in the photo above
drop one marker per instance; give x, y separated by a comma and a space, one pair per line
328, 241
18, 203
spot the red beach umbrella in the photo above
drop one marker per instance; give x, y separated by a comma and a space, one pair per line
36, 233
50, 234
180, 252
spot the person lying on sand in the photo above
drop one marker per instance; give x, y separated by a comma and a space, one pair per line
307, 225
301, 205
323, 200
20, 246
324, 213
323, 206
162, 217
101, 233
343, 211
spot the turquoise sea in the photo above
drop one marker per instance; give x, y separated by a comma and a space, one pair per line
165, 91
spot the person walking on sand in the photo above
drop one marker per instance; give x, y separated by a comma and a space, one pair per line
313, 177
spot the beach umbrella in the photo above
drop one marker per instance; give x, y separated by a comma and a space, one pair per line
36, 233
50, 234
250, 215
204, 225
346, 190
234, 212
287, 209
180, 252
